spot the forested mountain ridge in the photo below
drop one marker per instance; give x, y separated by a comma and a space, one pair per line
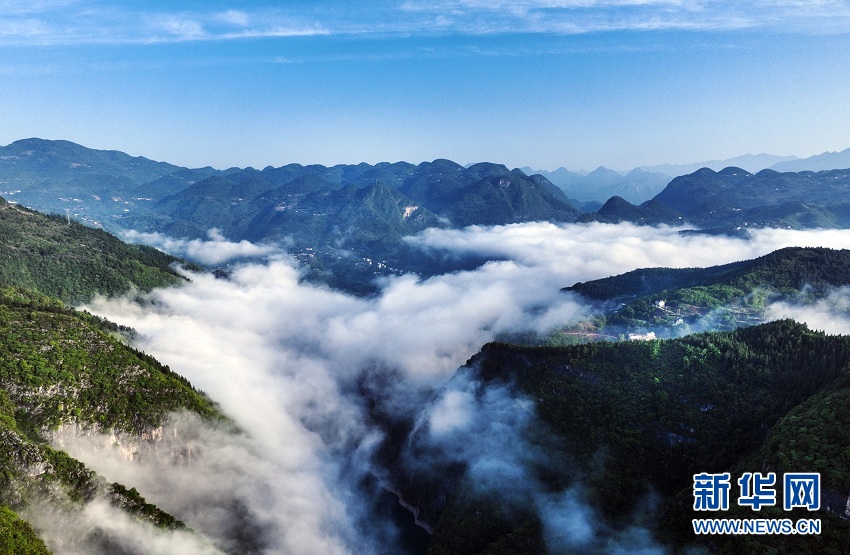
113, 189
346, 222
314, 210
733, 199
670, 300
617, 209
72, 262
62, 368
487, 194
788, 269
30, 162
119, 191
635, 417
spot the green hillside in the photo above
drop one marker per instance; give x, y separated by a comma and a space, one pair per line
634, 417
733, 197
73, 262
35, 161
668, 300
617, 210
61, 367
17, 536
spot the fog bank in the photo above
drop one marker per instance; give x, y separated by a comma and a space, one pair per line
288, 362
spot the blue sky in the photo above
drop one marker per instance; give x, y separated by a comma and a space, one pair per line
544, 83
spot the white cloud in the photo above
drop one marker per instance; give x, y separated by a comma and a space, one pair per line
830, 315
23, 28
101, 528
218, 480
451, 412
584, 16
238, 349
215, 251
290, 361
180, 27
103, 23
234, 17
24, 7
590, 251
65, 23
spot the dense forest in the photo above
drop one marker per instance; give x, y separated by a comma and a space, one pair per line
64, 367
72, 262
676, 301
60, 366
641, 418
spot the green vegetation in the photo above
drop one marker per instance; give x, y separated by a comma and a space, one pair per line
474, 522
30, 162
72, 262
60, 367
17, 537
645, 416
131, 501
669, 301
786, 270
734, 198
617, 210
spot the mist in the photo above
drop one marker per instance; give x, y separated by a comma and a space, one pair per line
299, 368
830, 314
100, 528
216, 250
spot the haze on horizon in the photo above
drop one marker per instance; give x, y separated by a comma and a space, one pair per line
540, 83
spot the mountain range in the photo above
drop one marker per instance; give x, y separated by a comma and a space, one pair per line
733, 199
349, 222
623, 425
644, 182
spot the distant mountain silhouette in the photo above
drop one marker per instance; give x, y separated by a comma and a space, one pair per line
735, 197
820, 162
753, 163
335, 216
617, 210
636, 186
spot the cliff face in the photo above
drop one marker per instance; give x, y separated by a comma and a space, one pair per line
65, 373
169, 443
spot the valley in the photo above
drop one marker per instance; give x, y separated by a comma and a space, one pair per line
521, 375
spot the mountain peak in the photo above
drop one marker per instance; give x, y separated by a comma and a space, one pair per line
602, 170
615, 205
734, 172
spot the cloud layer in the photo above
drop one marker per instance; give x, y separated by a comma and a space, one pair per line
75, 22
216, 250
297, 366
830, 315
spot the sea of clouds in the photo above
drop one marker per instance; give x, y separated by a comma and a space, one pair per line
287, 361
